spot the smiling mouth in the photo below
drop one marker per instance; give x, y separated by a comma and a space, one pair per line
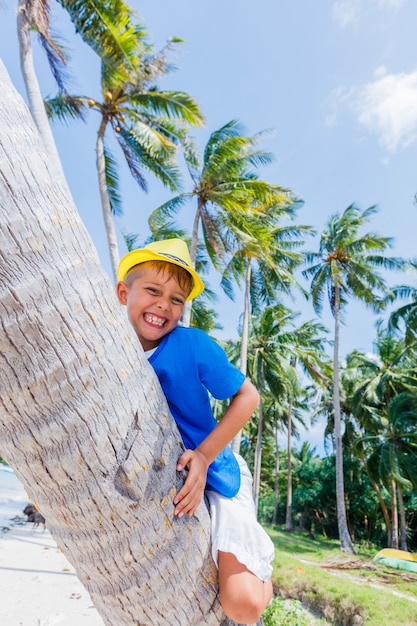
153, 319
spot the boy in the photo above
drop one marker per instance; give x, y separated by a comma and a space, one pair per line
155, 282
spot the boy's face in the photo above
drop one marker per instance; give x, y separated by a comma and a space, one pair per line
154, 303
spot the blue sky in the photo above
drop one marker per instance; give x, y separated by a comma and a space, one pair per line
335, 79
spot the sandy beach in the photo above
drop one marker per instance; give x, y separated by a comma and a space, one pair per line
38, 587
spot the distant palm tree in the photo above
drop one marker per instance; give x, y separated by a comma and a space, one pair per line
147, 123
306, 352
286, 351
228, 191
381, 376
305, 467
273, 341
275, 413
269, 372
358, 419
394, 459
374, 382
346, 266
266, 260
33, 16
407, 314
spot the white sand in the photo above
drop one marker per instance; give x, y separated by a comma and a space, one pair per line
38, 587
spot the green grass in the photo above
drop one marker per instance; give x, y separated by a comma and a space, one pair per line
344, 597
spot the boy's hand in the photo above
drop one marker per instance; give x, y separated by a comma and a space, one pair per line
189, 496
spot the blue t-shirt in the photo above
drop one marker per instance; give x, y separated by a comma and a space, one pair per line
189, 364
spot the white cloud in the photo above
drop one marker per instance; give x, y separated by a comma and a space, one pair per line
347, 12
387, 107
388, 4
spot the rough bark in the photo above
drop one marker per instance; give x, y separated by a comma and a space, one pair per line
82, 419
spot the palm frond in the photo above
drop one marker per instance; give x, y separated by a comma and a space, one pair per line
57, 59
177, 104
138, 157
112, 182
38, 16
131, 241
107, 27
65, 107
168, 209
133, 156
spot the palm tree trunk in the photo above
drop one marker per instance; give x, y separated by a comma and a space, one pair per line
383, 509
105, 202
403, 522
186, 315
194, 235
276, 485
36, 104
381, 503
243, 361
258, 458
345, 540
83, 421
394, 514
288, 516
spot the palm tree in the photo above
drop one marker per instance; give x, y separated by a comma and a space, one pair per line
375, 381
394, 458
277, 419
287, 351
305, 465
147, 123
271, 369
358, 419
33, 16
81, 420
227, 191
306, 347
407, 314
268, 373
346, 266
351, 377
265, 259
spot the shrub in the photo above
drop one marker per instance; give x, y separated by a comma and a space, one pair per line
284, 613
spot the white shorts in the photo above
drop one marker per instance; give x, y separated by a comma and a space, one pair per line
235, 529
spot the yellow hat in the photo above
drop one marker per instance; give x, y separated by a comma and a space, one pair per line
170, 250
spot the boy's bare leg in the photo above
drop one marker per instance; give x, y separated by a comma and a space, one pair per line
243, 595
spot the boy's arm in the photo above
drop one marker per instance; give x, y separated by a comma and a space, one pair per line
239, 411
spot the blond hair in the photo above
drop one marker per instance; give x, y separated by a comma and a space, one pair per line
183, 278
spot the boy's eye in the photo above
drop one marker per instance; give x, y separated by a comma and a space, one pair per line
178, 300
152, 290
